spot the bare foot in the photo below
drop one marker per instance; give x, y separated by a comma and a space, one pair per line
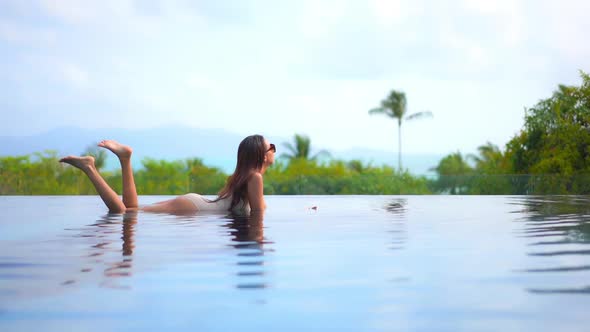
122, 151
83, 163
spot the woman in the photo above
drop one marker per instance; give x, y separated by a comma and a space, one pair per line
242, 192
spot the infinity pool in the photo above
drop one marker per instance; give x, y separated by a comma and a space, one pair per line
357, 263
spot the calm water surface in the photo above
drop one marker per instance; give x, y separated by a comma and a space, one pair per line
357, 263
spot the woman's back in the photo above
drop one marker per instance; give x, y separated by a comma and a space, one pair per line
221, 205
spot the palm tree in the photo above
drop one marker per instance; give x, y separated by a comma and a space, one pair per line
491, 160
489, 155
301, 149
395, 107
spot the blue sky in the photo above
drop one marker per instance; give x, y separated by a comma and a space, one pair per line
284, 67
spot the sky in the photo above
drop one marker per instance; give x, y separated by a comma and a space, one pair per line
283, 67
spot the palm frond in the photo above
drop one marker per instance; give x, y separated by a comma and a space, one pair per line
299, 148
420, 115
302, 144
321, 154
473, 157
378, 110
286, 156
291, 149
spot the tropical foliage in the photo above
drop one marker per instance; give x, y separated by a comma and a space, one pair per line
301, 149
453, 171
301, 176
42, 174
395, 107
99, 154
551, 154
556, 134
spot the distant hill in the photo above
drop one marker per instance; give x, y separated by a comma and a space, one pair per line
217, 147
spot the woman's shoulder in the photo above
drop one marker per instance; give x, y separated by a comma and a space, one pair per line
255, 176
255, 181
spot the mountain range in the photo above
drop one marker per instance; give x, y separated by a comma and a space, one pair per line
217, 147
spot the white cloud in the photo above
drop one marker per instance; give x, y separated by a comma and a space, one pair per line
492, 7
313, 67
566, 27
74, 74
198, 82
508, 17
390, 13
20, 34
319, 18
75, 11
469, 55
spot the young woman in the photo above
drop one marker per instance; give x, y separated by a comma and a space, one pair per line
243, 191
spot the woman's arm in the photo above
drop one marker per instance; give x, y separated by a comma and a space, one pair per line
256, 193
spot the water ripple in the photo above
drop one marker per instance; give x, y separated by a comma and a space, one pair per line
565, 222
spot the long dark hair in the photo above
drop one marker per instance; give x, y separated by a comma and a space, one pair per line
251, 154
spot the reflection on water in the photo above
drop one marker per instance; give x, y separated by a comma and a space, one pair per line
558, 230
113, 246
103, 253
98, 253
248, 239
397, 208
386, 263
110, 252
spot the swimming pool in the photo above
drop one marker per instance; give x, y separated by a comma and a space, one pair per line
357, 263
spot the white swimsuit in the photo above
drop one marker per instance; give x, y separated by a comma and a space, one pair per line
222, 205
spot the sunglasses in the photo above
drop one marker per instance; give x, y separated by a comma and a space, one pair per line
272, 148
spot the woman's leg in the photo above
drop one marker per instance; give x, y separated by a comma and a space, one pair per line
124, 152
108, 195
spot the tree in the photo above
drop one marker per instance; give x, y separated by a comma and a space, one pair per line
453, 174
395, 107
553, 148
357, 166
556, 135
490, 160
301, 149
99, 154
203, 179
491, 173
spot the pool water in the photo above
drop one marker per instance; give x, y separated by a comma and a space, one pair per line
356, 263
